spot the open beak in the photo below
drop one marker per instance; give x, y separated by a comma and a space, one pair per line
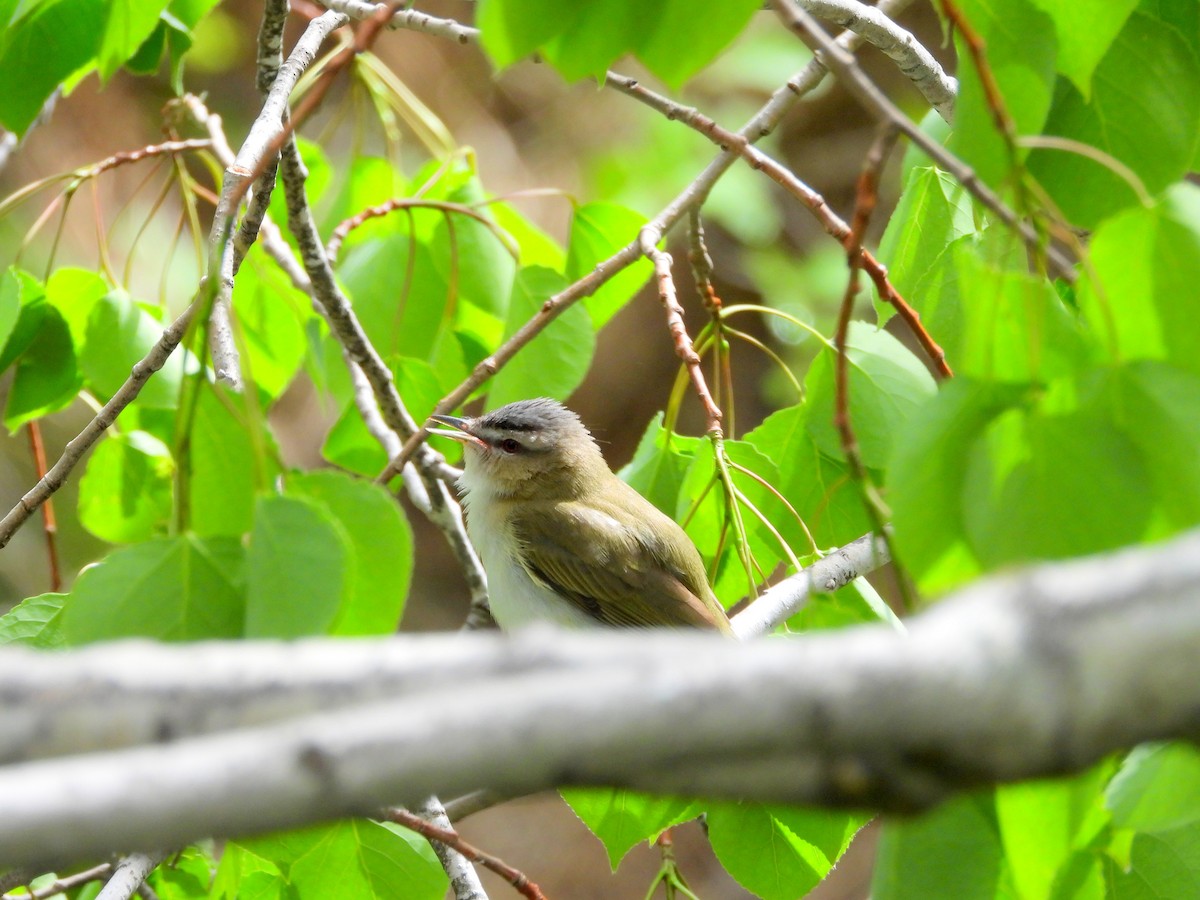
462, 432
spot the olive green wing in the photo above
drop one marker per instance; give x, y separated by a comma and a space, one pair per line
615, 570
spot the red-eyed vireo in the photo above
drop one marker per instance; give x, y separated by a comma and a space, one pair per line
562, 538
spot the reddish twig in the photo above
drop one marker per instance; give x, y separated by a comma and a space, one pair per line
702, 269
518, 879
833, 224
334, 244
50, 525
679, 335
66, 883
867, 196
864, 90
991, 90
126, 157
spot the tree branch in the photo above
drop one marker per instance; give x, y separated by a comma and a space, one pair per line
1034, 673
870, 96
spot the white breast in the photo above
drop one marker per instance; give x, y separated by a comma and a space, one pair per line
516, 599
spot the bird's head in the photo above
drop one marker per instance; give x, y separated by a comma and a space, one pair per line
531, 449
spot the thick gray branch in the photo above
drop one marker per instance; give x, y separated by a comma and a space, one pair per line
1034, 673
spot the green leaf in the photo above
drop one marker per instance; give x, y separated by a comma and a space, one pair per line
674, 38
23, 328
356, 858
1101, 489
75, 293
379, 540
36, 622
299, 569
244, 875
660, 464
47, 378
1144, 265
470, 256
681, 37
818, 487
1013, 326
1085, 30
512, 29
129, 23
368, 181
953, 851
1157, 788
125, 492
779, 852
1157, 406
271, 315
226, 472
185, 876
703, 509
622, 819
598, 230
119, 334
553, 363
183, 588
1042, 823
44, 45
1021, 51
351, 446
1162, 864
594, 38
887, 384
13, 282
933, 211
1152, 130
928, 476
537, 247
400, 314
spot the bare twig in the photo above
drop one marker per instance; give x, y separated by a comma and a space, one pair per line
334, 244
129, 875
680, 338
464, 880
59, 885
251, 158
864, 205
49, 524
782, 175
761, 124
450, 838
897, 44
870, 96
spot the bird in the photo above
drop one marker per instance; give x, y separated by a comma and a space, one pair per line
562, 539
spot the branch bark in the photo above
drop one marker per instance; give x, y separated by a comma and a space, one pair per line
1035, 673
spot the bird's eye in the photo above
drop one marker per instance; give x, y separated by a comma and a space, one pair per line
510, 445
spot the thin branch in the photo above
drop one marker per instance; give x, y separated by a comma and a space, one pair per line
833, 224
238, 174
456, 862
129, 875
1032, 673
761, 124
442, 834
870, 96
680, 338
60, 885
334, 244
49, 523
866, 198
836, 570
917, 64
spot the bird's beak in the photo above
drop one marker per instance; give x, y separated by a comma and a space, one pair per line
463, 432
